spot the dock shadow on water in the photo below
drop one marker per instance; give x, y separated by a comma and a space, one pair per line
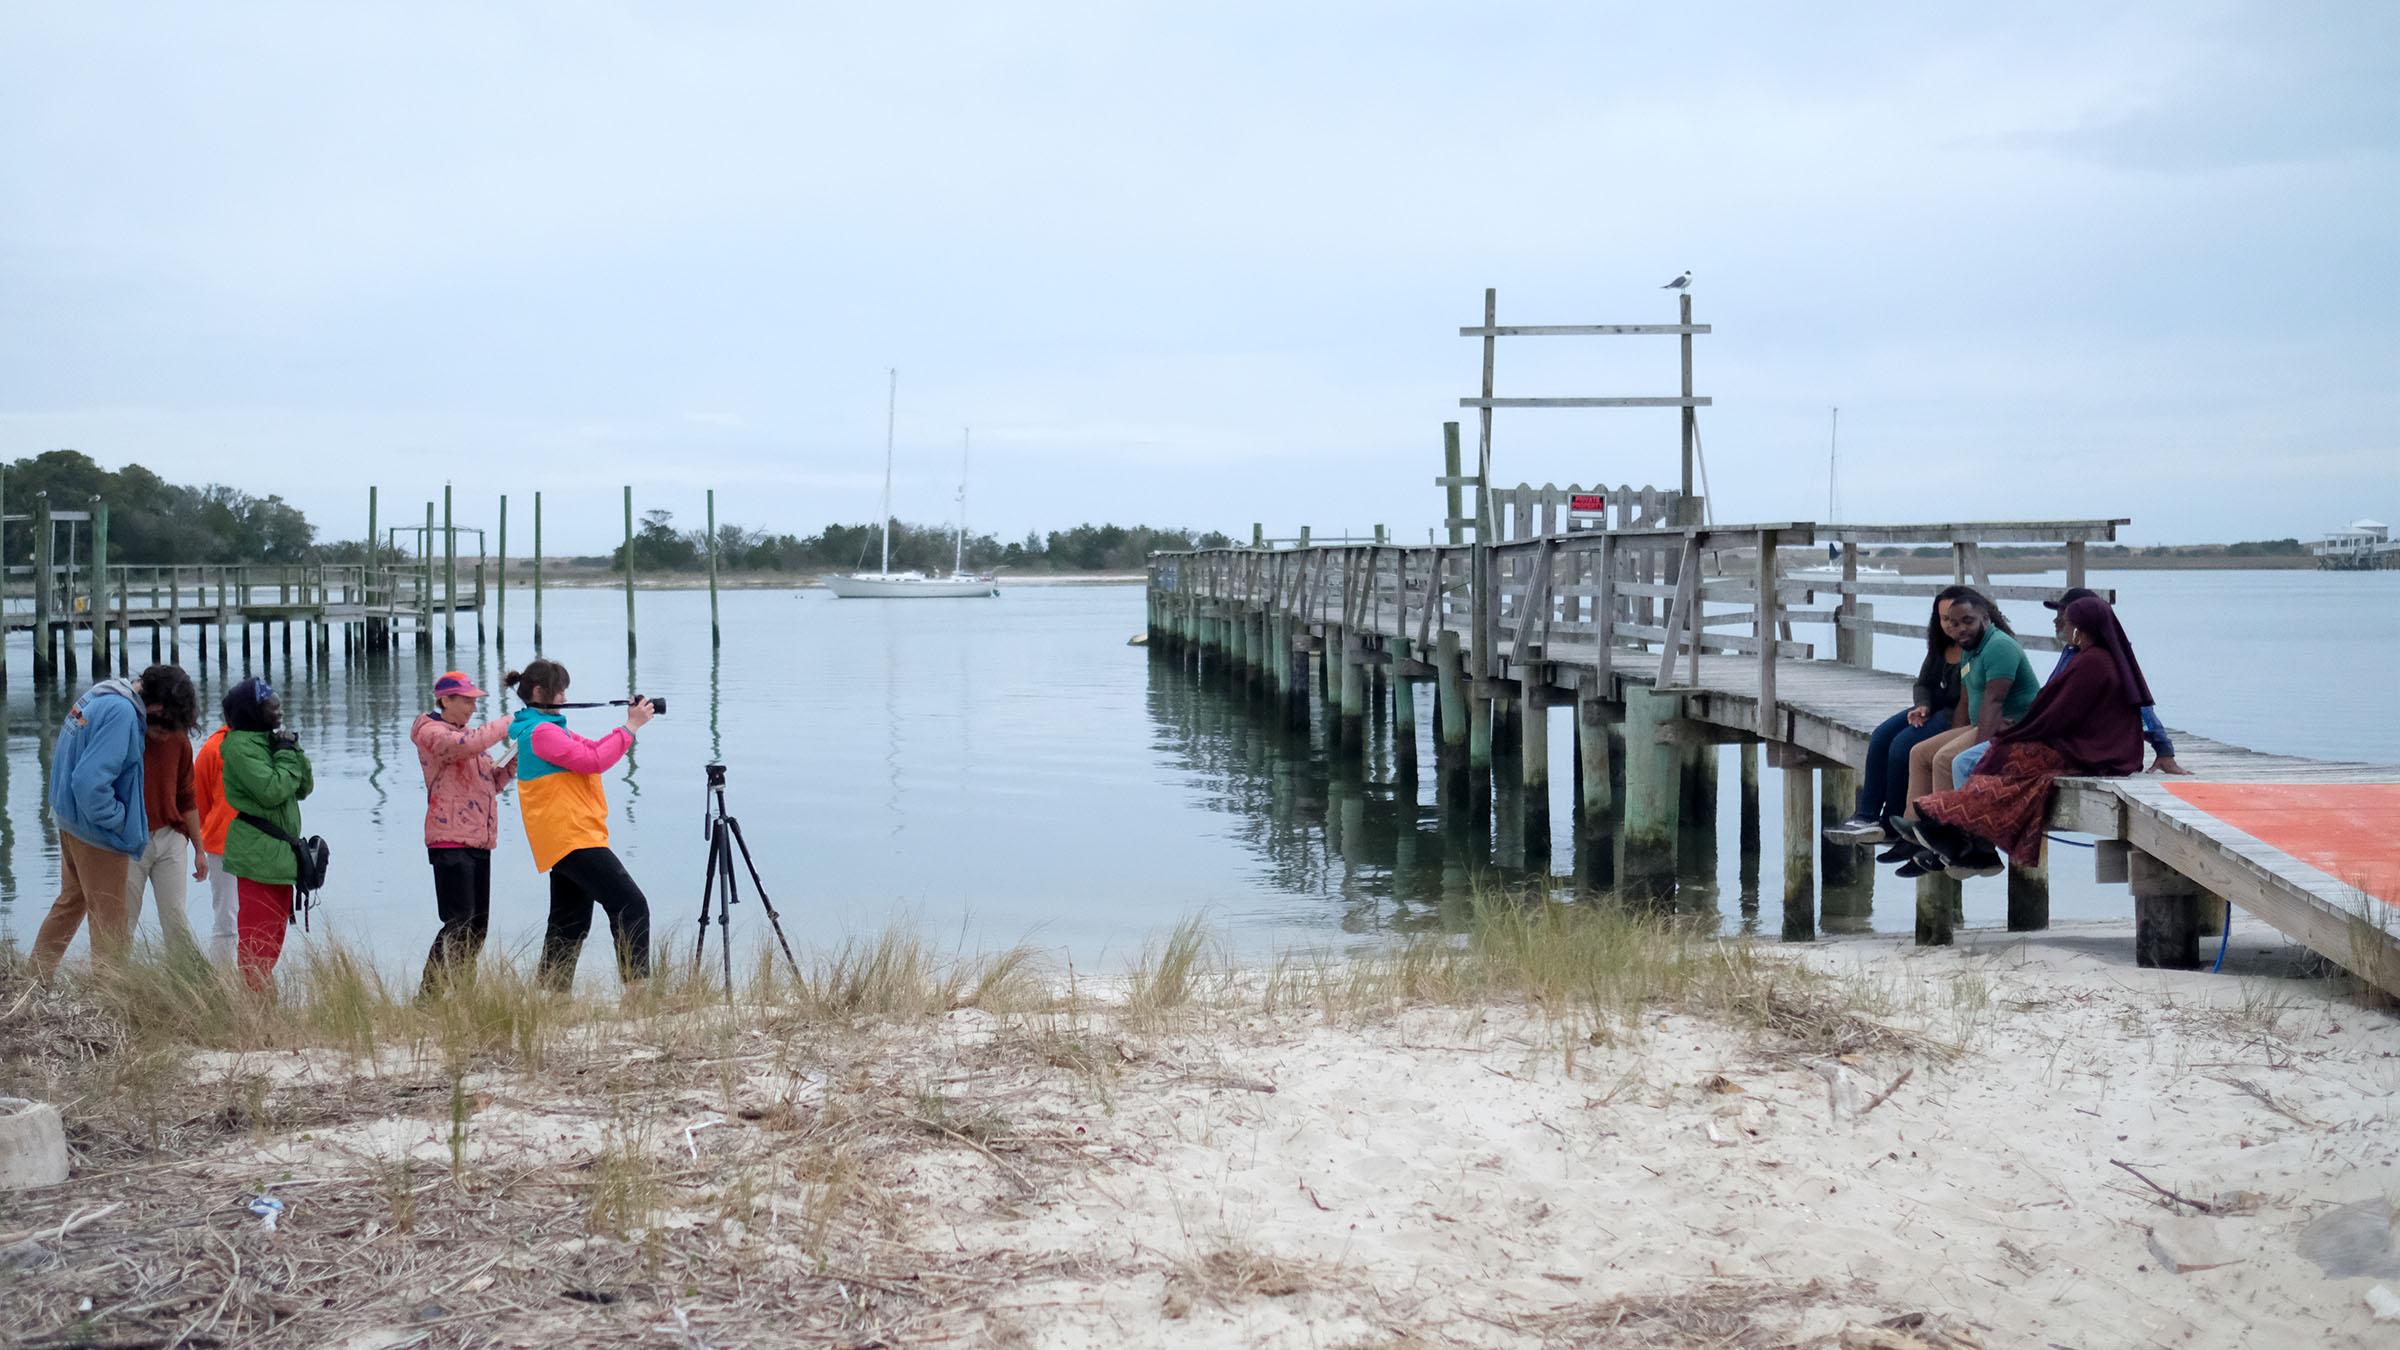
1405, 835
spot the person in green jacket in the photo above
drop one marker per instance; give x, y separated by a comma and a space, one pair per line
266, 776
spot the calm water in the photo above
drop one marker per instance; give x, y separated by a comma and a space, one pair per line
1009, 770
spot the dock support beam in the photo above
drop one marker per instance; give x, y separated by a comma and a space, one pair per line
716, 636
2166, 914
1937, 909
1653, 796
449, 583
2029, 895
99, 609
1799, 854
629, 641
1404, 714
537, 574
1533, 771
45, 635
1354, 691
1839, 865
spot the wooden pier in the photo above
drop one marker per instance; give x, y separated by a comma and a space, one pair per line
1668, 635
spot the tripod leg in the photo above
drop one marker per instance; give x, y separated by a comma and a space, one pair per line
774, 920
725, 902
708, 886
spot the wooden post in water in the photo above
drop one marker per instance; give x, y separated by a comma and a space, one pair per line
1451, 701
1404, 714
716, 636
367, 580
45, 583
449, 576
1696, 823
500, 596
1533, 769
99, 605
1937, 909
175, 616
1799, 854
1354, 692
1653, 799
1841, 864
537, 574
629, 642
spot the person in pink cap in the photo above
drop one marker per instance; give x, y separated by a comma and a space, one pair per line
462, 786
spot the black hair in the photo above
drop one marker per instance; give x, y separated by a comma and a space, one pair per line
544, 674
178, 702
1969, 595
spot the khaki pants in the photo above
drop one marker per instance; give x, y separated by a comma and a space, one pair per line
165, 868
1929, 762
91, 882
223, 899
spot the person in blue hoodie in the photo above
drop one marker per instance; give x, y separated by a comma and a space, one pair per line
96, 798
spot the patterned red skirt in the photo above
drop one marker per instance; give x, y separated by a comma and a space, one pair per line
2011, 808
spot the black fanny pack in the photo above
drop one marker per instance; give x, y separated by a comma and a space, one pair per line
310, 858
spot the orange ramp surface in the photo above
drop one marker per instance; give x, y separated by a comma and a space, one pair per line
2350, 831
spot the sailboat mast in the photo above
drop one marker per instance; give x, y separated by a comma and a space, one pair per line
958, 562
1833, 470
891, 416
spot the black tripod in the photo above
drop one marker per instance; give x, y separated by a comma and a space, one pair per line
724, 836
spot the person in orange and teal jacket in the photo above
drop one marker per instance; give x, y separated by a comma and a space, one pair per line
566, 823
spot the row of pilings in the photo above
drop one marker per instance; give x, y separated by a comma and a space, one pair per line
1644, 796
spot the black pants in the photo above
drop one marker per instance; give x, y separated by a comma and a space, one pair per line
579, 880
462, 893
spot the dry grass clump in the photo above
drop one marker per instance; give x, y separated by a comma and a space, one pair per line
1234, 1274
1724, 1313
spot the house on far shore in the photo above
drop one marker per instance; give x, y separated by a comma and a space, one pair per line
2365, 546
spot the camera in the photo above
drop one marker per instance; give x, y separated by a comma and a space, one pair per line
281, 739
657, 705
716, 775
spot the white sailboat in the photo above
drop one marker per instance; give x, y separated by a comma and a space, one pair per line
887, 584
1831, 568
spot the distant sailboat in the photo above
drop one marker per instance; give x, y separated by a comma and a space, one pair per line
1831, 568
890, 585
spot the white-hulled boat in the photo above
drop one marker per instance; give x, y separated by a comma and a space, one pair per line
890, 585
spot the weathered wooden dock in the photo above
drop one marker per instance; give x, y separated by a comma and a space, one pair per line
1668, 636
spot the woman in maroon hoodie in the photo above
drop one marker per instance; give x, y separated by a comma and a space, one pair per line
462, 784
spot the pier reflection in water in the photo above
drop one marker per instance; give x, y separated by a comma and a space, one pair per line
1405, 841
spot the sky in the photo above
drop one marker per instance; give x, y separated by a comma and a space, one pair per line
1205, 264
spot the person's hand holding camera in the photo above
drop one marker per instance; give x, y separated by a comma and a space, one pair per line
638, 712
282, 739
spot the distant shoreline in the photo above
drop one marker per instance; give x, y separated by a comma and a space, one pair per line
580, 579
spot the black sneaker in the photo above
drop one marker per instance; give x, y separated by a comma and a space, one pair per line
1858, 829
1913, 868
1900, 852
1979, 863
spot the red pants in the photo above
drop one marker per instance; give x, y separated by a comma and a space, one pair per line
266, 911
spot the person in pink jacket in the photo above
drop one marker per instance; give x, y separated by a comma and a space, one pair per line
462, 785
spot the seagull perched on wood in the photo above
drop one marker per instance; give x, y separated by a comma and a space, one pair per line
1681, 283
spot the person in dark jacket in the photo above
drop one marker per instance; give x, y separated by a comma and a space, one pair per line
1883, 787
266, 776
2153, 730
96, 798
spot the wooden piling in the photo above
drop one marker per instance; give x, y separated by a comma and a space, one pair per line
1840, 864
2166, 914
449, 580
1404, 714
537, 574
1354, 692
99, 606
1653, 796
2028, 896
175, 618
424, 593
374, 567
629, 641
1938, 899
1533, 772
45, 634
716, 635
500, 595
1451, 698
1799, 854
1696, 817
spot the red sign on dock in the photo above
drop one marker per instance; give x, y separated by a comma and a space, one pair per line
1587, 504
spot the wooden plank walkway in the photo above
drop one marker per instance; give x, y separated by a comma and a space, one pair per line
2310, 846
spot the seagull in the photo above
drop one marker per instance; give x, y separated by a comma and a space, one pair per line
1681, 283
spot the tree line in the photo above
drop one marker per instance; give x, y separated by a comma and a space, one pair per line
658, 546
151, 520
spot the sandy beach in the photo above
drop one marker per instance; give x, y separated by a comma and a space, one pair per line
1860, 1144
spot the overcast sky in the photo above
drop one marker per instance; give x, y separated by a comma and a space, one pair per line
1206, 264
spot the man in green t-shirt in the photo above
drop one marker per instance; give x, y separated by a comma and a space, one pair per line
1997, 686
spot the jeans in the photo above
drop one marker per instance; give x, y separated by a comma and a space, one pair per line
1883, 788
579, 880
462, 894
1964, 765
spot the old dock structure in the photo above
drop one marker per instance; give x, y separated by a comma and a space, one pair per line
1668, 635
70, 595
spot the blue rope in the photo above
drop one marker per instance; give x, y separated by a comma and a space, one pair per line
2079, 843
2223, 939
